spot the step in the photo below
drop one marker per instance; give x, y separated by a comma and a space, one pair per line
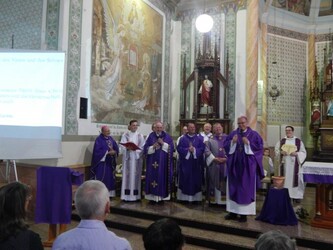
194, 236
211, 219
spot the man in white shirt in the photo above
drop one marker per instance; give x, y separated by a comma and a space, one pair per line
92, 204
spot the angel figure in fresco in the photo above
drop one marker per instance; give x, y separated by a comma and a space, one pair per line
113, 66
145, 84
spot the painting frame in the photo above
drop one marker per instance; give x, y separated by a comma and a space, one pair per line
127, 75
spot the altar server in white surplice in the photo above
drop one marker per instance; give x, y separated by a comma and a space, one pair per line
292, 154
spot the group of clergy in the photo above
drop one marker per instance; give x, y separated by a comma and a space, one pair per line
227, 167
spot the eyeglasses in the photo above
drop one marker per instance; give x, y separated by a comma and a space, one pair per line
240, 123
289, 130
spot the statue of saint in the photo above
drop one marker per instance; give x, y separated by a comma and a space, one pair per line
204, 90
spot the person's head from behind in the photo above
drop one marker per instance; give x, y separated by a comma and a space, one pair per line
92, 200
274, 240
163, 234
14, 200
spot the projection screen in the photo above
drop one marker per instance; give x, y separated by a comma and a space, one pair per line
31, 100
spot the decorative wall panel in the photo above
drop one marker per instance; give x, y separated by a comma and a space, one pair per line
287, 71
20, 24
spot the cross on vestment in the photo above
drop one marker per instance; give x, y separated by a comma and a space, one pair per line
154, 184
155, 165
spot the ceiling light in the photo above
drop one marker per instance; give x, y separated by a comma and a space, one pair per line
204, 23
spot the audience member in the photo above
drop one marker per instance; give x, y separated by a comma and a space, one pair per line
103, 163
292, 154
275, 240
163, 234
244, 148
92, 204
190, 149
14, 232
132, 163
159, 164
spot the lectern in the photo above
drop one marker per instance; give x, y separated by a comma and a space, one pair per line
321, 173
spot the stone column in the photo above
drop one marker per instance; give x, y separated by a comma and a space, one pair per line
263, 77
252, 61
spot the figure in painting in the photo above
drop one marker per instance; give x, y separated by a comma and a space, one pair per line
144, 84
113, 71
205, 92
329, 107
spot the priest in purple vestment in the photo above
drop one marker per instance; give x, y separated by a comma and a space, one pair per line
244, 148
159, 164
190, 149
103, 163
216, 166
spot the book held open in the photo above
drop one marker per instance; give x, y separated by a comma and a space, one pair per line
130, 145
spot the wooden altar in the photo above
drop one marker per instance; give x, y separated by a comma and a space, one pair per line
199, 105
321, 173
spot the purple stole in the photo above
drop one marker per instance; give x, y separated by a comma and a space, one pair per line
296, 167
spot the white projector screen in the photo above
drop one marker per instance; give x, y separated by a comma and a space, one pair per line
31, 99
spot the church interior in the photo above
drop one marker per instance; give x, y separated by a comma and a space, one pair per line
268, 60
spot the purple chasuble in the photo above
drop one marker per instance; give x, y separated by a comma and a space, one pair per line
244, 172
191, 169
104, 171
159, 166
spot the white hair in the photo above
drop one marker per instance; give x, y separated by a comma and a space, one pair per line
91, 198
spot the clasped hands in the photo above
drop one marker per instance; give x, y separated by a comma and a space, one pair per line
158, 143
244, 139
220, 159
112, 152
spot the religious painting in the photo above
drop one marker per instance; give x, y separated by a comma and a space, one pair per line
326, 8
126, 61
301, 7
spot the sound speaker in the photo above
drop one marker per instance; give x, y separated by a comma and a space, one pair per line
83, 108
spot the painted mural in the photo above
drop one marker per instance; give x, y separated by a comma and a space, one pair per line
126, 66
301, 7
326, 8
